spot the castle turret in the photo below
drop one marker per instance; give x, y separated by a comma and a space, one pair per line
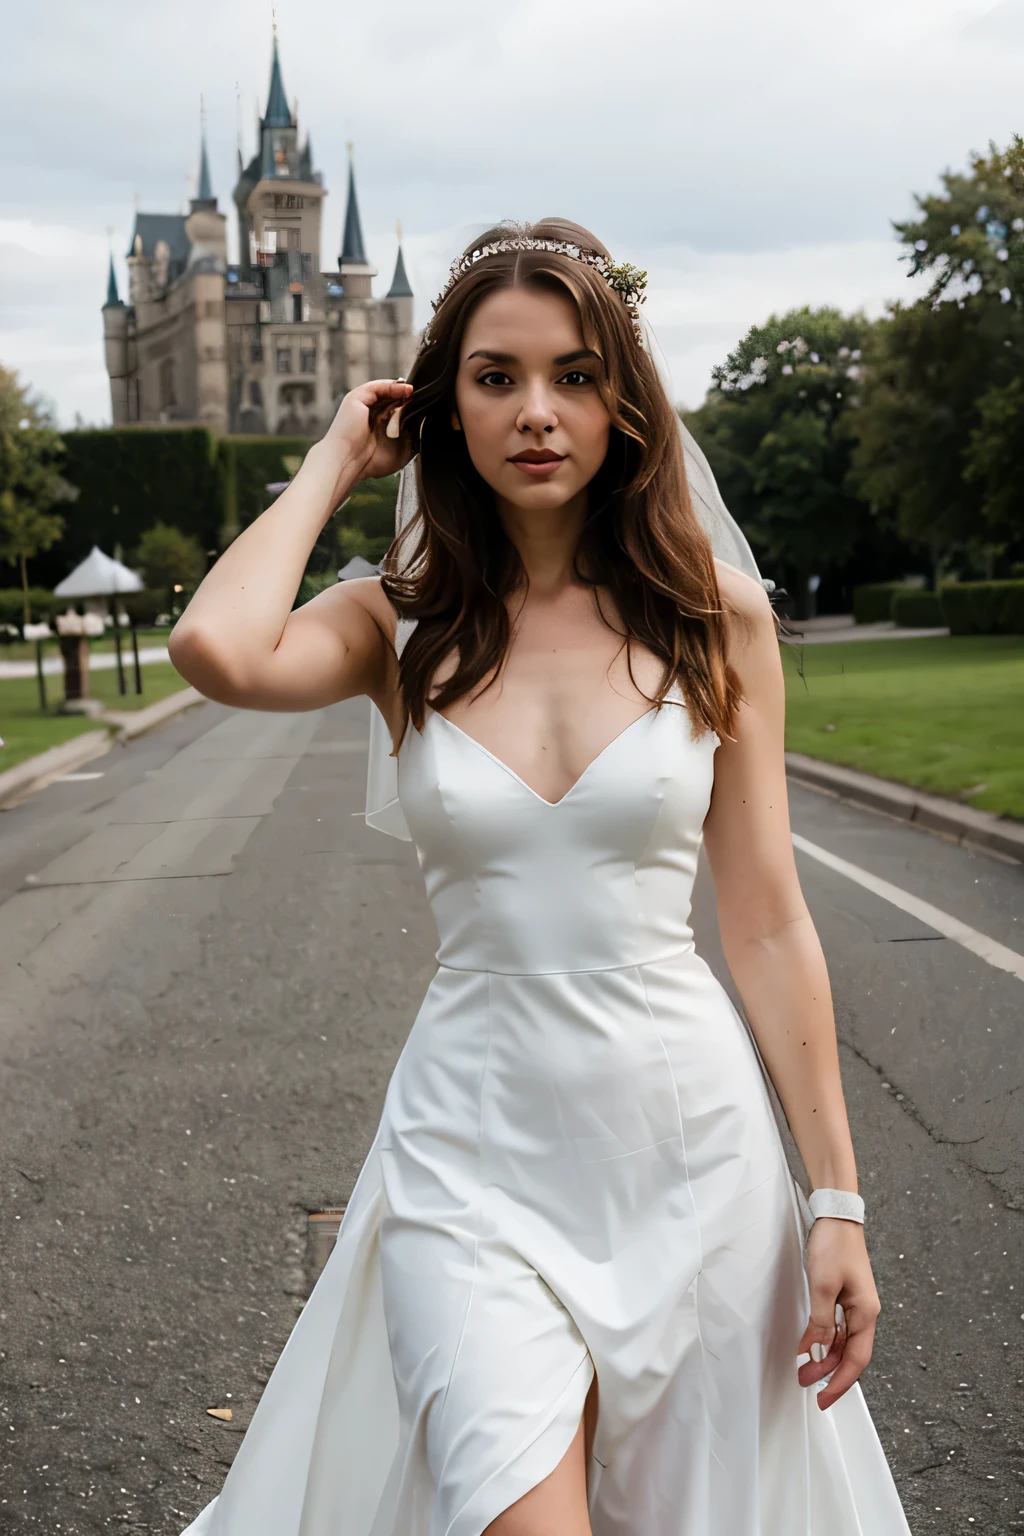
206, 228
356, 272
401, 296
115, 346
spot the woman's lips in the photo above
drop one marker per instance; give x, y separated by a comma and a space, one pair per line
538, 468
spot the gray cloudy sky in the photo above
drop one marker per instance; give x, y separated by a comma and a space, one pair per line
749, 154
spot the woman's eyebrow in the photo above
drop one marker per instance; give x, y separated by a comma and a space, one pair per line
560, 362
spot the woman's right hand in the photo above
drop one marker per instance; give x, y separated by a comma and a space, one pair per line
358, 444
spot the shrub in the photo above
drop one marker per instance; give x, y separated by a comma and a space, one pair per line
42, 605
914, 609
984, 607
142, 607
872, 603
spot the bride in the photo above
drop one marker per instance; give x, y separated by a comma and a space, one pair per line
577, 1291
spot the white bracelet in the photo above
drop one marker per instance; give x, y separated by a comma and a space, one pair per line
837, 1202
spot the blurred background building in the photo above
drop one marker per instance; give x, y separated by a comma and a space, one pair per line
268, 345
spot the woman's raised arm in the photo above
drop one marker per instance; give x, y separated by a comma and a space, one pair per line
239, 641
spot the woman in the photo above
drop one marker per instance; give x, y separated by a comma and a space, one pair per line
570, 1294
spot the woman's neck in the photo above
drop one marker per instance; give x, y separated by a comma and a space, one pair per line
546, 542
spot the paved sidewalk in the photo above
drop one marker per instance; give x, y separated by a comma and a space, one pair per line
833, 627
102, 661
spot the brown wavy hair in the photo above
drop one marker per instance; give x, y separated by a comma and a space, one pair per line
454, 569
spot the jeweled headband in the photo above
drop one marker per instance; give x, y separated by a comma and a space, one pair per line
627, 281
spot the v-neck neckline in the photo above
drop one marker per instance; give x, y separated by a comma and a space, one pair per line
553, 805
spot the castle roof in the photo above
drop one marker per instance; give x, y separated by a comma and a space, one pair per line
400, 285
169, 227
204, 193
113, 298
278, 113
353, 251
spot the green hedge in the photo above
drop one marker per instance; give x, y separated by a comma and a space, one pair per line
143, 606
129, 478
914, 609
873, 603
984, 607
42, 605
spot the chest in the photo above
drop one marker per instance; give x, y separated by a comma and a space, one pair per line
568, 687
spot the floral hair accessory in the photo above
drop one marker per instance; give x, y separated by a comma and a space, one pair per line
627, 281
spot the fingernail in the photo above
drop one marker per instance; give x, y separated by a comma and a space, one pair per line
818, 1352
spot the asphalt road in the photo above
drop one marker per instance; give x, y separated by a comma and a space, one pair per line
208, 966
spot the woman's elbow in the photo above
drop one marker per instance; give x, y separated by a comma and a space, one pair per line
202, 661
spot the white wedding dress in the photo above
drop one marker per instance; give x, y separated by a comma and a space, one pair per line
577, 1171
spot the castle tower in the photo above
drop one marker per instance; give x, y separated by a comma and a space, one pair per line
206, 230
115, 347
279, 195
356, 272
400, 297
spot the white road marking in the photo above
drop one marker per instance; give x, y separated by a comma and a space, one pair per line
76, 778
950, 927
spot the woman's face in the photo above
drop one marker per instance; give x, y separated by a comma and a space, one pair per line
527, 398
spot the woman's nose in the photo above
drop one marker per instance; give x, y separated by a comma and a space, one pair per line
537, 413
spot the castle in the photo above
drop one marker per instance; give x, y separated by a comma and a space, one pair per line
270, 344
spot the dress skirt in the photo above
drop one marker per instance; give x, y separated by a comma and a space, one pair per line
574, 1174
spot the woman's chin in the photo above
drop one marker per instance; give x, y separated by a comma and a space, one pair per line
538, 495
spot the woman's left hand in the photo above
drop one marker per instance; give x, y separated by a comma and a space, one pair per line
838, 1270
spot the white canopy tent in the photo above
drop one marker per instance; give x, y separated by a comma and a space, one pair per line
98, 576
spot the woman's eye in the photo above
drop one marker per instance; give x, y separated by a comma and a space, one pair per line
493, 377
576, 377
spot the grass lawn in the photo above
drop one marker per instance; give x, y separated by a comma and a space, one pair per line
945, 714
26, 730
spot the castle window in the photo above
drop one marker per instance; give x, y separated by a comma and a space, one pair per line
255, 397
284, 359
297, 306
307, 360
285, 238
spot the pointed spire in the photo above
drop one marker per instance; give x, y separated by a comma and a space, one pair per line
277, 114
306, 160
353, 252
205, 192
113, 297
400, 285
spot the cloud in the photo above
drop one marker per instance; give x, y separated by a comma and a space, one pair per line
774, 139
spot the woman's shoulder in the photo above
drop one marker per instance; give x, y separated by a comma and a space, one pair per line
367, 593
740, 593
750, 627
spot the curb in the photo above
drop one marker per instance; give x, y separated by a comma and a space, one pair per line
932, 813
17, 784
131, 723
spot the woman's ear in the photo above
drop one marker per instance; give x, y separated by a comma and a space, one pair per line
456, 423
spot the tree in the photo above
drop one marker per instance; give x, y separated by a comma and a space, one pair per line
775, 426
167, 558
30, 479
995, 459
939, 434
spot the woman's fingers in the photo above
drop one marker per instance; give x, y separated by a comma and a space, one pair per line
855, 1356
382, 397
